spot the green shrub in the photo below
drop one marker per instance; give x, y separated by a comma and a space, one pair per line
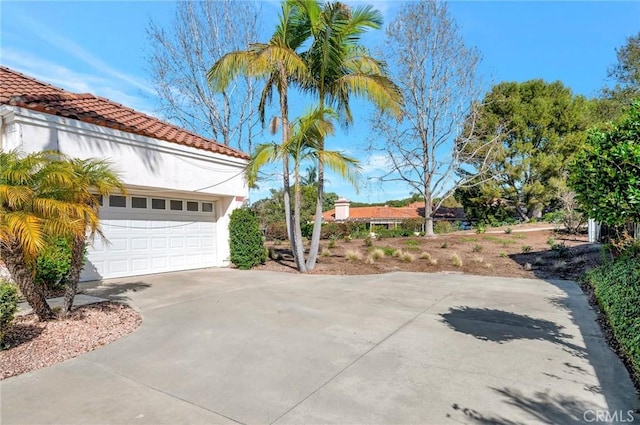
481, 228
526, 248
247, 248
388, 251
443, 227
53, 263
477, 248
8, 307
413, 225
616, 285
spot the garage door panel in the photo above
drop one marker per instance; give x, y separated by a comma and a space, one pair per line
193, 241
150, 241
139, 244
116, 244
118, 267
159, 243
139, 265
177, 242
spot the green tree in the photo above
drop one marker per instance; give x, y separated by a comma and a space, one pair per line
625, 75
539, 127
605, 175
32, 206
341, 67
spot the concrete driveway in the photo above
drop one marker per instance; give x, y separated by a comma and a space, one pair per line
224, 346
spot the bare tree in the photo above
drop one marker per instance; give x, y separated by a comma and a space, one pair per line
201, 33
437, 74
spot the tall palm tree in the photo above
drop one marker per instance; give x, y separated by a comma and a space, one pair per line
92, 179
340, 67
30, 208
278, 62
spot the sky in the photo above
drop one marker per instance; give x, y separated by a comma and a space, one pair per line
102, 48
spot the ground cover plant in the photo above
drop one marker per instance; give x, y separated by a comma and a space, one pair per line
616, 288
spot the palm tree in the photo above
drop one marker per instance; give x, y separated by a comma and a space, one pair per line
30, 208
340, 67
92, 179
278, 62
305, 133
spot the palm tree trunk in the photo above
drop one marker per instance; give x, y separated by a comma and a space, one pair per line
284, 113
77, 257
14, 260
299, 255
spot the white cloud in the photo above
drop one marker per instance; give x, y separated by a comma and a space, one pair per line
58, 41
375, 163
61, 76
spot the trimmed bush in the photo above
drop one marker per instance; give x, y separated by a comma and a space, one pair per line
8, 307
246, 246
616, 286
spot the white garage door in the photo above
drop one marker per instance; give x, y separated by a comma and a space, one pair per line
149, 234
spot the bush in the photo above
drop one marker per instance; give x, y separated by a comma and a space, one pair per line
53, 264
8, 307
413, 225
616, 285
440, 227
247, 248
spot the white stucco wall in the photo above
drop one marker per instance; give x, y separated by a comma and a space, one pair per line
143, 163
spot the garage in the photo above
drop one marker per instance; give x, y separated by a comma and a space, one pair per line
181, 187
152, 234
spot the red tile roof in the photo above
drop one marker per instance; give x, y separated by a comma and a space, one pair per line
414, 210
17, 89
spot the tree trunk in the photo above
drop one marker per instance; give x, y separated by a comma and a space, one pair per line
428, 219
15, 262
297, 230
317, 222
77, 257
284, 112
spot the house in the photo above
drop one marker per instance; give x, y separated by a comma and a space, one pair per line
181, 188
387, 216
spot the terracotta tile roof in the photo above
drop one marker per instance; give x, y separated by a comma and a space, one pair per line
415, 210
17, 89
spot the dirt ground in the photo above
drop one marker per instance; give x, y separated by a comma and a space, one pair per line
519, 251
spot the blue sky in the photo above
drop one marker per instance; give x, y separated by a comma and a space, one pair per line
101, 47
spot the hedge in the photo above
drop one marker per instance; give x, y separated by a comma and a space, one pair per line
245, 244
616, 285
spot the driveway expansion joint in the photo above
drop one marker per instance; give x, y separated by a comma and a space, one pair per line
129, 378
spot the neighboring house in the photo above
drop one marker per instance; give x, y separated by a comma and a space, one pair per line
181, 188
387, 216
